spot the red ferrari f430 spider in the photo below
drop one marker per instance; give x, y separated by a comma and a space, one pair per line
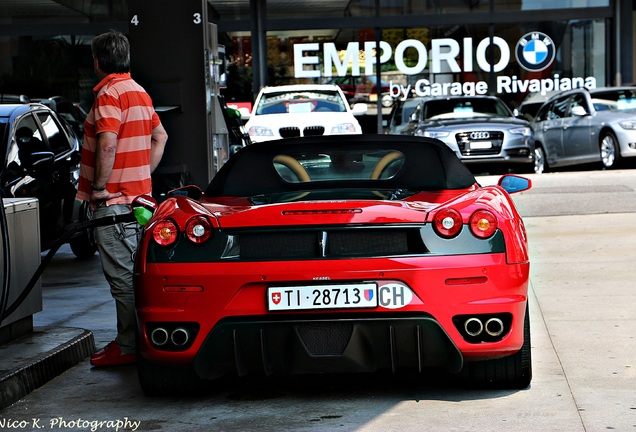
338, 254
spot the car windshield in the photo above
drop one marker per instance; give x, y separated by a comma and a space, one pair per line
618, 100
305, 101
312, 164
362, 164
443, 109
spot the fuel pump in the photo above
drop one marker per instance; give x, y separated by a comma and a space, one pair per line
218, 133
177, 58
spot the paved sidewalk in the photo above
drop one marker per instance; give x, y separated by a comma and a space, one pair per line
582, 311
583, 347
78, 315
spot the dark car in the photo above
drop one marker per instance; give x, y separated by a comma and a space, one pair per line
68, 110
479, 129
400, 115
586, 126
350, 254
13, 99
41, 160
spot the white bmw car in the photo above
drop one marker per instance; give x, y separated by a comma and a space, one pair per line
302, 110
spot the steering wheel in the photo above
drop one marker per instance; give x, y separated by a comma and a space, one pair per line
384, 162
294, 166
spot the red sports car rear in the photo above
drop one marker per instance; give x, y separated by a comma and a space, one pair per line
340, 255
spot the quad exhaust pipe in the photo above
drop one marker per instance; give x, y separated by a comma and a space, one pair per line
473, 327
493, 327
179, 337
159, 336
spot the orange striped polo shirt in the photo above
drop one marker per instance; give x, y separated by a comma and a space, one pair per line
123, 107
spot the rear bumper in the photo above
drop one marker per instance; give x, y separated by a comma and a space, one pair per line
224, 306
326, 346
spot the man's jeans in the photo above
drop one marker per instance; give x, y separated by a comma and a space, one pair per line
116, 245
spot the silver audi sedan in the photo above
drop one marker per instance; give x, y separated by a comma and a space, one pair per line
586, 126
479, 129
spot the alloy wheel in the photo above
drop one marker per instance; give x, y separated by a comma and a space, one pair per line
539, 160
608, 151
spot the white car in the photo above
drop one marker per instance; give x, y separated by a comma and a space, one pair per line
302, 110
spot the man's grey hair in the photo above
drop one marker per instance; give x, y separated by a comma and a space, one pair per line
112, 51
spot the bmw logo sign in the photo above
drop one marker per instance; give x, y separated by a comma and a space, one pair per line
535, 51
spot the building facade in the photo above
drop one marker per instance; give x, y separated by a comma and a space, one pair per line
423, 47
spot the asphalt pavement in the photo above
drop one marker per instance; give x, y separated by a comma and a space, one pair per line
582, 233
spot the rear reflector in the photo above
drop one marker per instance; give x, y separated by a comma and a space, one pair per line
467, 280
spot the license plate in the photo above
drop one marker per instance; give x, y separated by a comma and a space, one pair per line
346, 296
480, 145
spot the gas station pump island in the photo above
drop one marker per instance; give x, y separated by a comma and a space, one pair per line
177, 58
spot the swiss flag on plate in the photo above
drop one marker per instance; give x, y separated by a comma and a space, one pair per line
276, 297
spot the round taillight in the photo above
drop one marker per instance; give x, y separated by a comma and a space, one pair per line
198, 229
448, 223
483, 224
165, 232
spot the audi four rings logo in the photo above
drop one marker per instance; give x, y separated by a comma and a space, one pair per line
479, 135
535, 51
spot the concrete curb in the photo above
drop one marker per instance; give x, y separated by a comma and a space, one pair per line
39, 357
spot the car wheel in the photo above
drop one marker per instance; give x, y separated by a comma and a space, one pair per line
160, 380
540, 164
511, 372
83, 244
610, 153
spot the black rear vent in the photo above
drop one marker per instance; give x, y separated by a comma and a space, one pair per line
325, 339
314, 131
368, 243
278, 245
289, 132
334, 243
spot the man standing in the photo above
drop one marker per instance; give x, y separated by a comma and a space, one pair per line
123, 143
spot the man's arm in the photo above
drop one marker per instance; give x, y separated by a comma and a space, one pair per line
104, 160
104, 157
157, 145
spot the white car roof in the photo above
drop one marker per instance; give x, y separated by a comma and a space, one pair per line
299, 87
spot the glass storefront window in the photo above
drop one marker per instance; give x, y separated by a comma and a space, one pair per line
418, 7
507, 60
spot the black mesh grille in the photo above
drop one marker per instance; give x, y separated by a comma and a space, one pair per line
367, 242
314, 131
371, 242
323, 339
289, 132
277, 245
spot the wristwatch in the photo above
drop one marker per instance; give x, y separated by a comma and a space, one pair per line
96, 188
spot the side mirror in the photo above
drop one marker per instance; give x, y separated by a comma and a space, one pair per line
143, 207
512, 183
39, 160
579, 111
